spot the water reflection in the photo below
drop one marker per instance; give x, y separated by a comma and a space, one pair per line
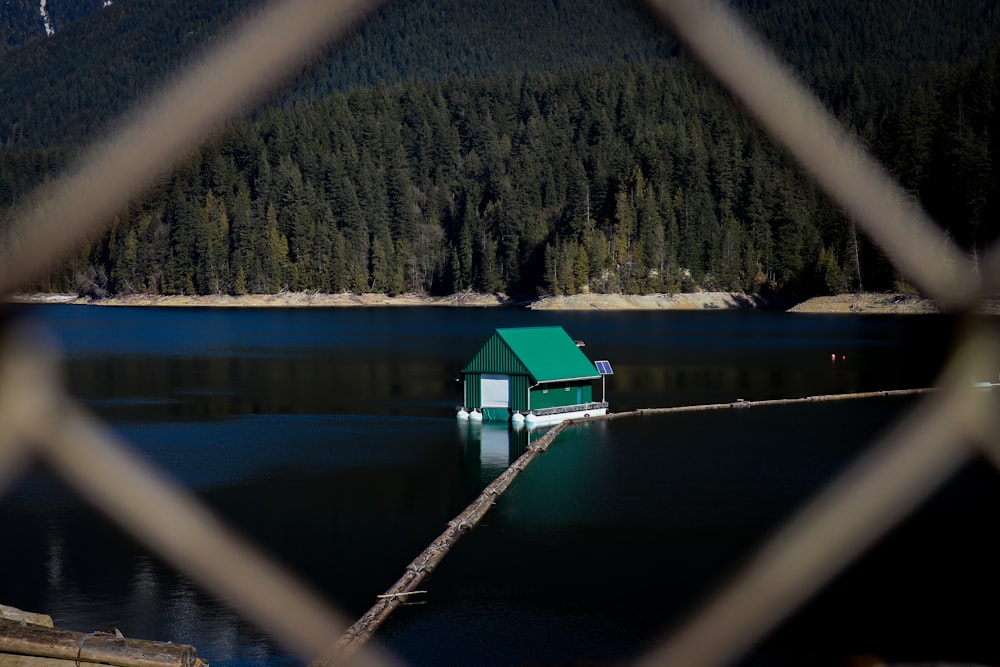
490, 447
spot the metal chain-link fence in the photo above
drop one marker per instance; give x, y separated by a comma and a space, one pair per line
39, 421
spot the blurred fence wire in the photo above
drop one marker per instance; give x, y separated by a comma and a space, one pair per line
40, 422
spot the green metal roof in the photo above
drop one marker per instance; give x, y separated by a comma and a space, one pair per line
546, 353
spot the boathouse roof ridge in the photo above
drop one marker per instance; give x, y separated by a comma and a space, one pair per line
547, 354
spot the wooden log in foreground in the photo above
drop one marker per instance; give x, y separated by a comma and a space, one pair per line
359, 633
22, 643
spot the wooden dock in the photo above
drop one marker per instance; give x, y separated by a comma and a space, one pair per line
28, 639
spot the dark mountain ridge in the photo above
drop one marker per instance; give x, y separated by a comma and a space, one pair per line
64, 89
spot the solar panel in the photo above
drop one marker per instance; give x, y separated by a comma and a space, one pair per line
604, 367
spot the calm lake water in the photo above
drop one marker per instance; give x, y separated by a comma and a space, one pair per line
328, 437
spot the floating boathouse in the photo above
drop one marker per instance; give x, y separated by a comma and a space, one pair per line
537, 375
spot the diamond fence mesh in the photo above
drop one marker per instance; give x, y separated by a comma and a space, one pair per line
40, 422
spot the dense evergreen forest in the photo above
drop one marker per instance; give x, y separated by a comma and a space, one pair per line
621, 173
65, 90
22, 21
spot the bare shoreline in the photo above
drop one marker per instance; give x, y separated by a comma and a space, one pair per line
843, 303
693, 301
896, 304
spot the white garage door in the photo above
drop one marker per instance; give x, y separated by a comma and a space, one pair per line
495, 391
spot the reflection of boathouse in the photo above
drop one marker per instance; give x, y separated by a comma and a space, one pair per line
489, 447
535, 374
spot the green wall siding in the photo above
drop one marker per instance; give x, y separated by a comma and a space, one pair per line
495, 357
519, 392
557, 396
473, 393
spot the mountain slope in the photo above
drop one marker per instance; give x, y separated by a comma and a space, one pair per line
67, 88
64, 89
23, 21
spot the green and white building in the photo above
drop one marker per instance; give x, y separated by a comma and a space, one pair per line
538, 375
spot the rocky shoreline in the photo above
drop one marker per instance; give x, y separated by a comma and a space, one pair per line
843, 303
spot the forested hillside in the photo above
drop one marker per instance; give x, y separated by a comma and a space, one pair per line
615, 167
68, 89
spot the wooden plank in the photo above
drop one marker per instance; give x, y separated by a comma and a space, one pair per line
12, 660
43, 642
393, 595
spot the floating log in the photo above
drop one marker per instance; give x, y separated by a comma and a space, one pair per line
763, 403
359, 633
22, 643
